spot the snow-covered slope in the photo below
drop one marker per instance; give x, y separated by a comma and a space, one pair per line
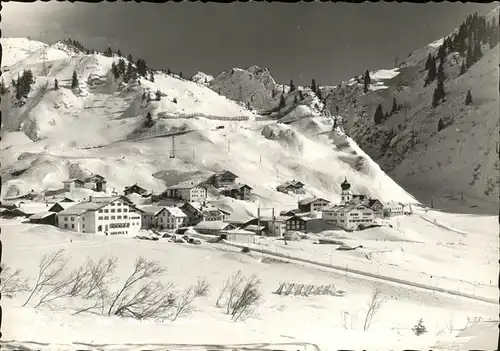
458, 165
202, 78
96, 128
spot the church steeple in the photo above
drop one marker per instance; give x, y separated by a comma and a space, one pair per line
345, 194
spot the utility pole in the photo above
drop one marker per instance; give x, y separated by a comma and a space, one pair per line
44, 61
194, 157
258, 218
274, 222
173, 147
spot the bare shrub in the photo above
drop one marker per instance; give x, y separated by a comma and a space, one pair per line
201, 288
91, 283
11, 282
239, 295
183, 303
373, 308
471, 321
50, 270
150, 299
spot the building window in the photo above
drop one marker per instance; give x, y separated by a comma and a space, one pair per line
106, 218
65, 225
119, 210
113, 217
72, 226
100, 217
83, 225
119, 217
112, 210
66, 219
106, 211
72, 219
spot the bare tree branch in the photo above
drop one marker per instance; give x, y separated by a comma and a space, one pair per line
202, 288
373, 308
183, 303
11, 283
50, 269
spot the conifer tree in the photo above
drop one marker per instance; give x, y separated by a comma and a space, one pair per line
419, 328
149, 120
74, 81
151, 77
169, 72
431, 74
119, 53
129, 58
282, 101
56, 84
435, 98
367, 81
158, 95
313, 86
428, 63
379, 114
122, 67
477, 54
301, 95
3, 88
441, 53
292, 86
469, 59
440, 125
180, 75
462, 69
295, 100
114, 70
468, 98
394, 106
440, 73
108, 52
440, 90
319, 94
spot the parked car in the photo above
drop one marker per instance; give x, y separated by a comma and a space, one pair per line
194, 241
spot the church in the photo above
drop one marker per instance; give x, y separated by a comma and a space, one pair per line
353, 212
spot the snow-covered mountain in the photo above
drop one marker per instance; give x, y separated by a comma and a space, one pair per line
100, 126
456, 168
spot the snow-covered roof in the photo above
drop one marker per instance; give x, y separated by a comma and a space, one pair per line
41, 215
176, 212
73, 180
255, 227
64, 205
212, 225
33, 207
94, 205
151, 209
237, 186
310, 200
188, 184
345, 208
239, 231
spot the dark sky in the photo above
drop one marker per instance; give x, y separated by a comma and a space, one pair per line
326, 41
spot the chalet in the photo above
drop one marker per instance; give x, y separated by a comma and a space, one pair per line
27, 196
312, 204
237, 191
212, 227
47, 217
95, 182
30, 208
275, 226
290, 213
222, 179
395, 208
238, 235
374, 204
187, 191
60, 206
134, 189
296, 223
240, 221
162, 217
11, 213
349, 216
199, 212
72, 184
108, 215
256, 229
294, 186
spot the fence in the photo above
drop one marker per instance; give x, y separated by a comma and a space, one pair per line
267, 118
306, 290
487, 294
201, 115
